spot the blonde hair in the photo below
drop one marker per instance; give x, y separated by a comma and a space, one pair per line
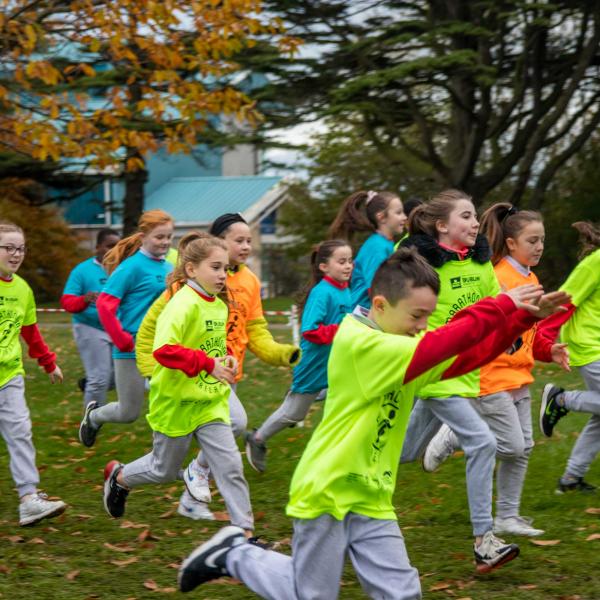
423, 219
197, 247
149, 220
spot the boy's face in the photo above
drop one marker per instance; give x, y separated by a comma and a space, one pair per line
409, 315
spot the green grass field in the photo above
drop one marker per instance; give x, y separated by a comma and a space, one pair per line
85, 554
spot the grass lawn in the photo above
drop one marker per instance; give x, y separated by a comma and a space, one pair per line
85, 554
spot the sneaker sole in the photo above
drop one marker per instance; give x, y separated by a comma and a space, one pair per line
107, 480
203, 498
249, 458
533, 532
214, 541
485, 568
55, 512
543, 406
84, 423
207, 516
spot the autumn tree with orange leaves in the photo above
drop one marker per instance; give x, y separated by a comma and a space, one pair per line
102, 84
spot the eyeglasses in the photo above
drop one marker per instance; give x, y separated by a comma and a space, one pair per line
12, 250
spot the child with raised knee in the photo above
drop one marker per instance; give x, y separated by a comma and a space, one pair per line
189, 388
341, 491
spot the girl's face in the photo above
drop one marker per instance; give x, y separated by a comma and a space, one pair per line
211, 272
461, 227
528, 246
239, 241
158, 241
11, 241
339, 265
393, 219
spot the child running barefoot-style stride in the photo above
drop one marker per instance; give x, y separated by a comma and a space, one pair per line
137, 275
581, 331
517, 242
189, 388
341, 491
246, 328
381, 214
326, 302
18, 317
79, 297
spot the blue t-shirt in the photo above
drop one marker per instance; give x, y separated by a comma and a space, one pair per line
137, 281
369, 258
326, 305
88, 276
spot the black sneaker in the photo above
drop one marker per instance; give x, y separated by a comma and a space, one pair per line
87, 432
493, 553
256, 452
115, 495
81, 383
550, 411
208, 561
574, 484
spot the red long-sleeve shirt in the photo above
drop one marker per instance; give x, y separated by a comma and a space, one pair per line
38, 348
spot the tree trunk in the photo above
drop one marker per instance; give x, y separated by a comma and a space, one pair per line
133, 202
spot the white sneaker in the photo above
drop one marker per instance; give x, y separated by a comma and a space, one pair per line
516, 526
196, 481
192, 509
493, 553
38, 507
442, 446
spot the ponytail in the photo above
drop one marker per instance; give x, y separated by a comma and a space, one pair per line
359, 213
320, 254
589, 237
131, 244
501, 221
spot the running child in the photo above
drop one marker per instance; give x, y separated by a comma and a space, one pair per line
381, 214
581, 331
445, 232
326, 302
189, 388
341, 491
18, 316
517, 242
137, 275
79, 297
246, 328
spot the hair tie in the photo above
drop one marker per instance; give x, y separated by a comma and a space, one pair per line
513, 210
224, 221
370, 195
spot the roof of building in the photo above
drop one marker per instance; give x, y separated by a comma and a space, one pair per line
200, 200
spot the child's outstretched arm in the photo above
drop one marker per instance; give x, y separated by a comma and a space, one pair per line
547, 331
262, 344
476, 334
39, 350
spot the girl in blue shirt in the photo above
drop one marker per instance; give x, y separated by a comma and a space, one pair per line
326, 301
381, 214
137, 276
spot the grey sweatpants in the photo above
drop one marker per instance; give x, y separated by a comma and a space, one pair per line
293, 409
319, 546
130, 392
95, 350
15, 427
587, 445
163, 464
508, 415
239, 421
476, 439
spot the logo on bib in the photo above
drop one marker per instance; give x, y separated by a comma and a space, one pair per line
215, 325
455, 283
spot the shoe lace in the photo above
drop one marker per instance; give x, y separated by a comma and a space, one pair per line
255, 541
